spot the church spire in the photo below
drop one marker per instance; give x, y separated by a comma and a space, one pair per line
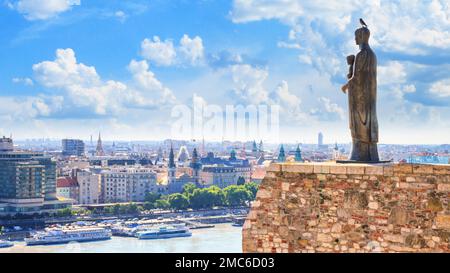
171, 158
233, 155
99, 150
281, 154
298, 154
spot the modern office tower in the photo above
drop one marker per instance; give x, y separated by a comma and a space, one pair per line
320, 140
27, 181
72, 147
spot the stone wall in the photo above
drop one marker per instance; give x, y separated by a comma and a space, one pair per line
329, 207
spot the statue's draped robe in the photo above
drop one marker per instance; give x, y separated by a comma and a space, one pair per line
362, 104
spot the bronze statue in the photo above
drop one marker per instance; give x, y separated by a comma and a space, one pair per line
362, 95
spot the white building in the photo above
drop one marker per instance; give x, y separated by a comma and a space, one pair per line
127, 184
221, 176
89, 187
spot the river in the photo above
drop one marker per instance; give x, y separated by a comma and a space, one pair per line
222, 238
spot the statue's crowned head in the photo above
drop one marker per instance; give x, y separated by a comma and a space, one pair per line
362, 35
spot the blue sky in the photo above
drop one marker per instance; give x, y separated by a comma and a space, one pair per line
71, 68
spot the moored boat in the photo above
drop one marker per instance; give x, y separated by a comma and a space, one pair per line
164, 232
4, 244
62, 236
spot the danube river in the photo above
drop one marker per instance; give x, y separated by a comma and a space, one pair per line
221, 238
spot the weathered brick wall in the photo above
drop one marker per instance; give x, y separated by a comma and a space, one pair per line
329, 207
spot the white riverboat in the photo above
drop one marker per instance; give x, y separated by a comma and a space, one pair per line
4, 244
62, 236
164, 232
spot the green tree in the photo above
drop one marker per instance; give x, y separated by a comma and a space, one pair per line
116, 209
188, 189
151, 197
253, 188
199, 199
149, 205
178, 201
162, 203
207, 198
240, 181
130, 208
64, 212
217, 195
237, 195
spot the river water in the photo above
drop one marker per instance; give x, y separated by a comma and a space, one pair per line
222, 238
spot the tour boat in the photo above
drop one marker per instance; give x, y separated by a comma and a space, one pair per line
4, 244
164, 232
62, 236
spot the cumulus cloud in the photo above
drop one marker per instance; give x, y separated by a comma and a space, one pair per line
441, 88
42, 9
248, 82
322, 31
148, 83
25, 108
84, 88
65, 71
289, 103
249, 88
190, 51
327, 110
396, 28
161, 52
393, 72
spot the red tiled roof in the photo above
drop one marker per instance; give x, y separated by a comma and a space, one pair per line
66, 182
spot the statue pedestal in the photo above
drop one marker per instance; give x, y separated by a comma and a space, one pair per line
332, 207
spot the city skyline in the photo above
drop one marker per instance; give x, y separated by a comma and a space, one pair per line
73, 68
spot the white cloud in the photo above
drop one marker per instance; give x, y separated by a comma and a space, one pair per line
189, 51
192, 49
65, 71
25, 108
254, 10
392, 73
248, 83
417, 29
120, 15
441, 89
147, 82
84, 88
25, 81
327, 110
289, 103
43, 9
284, 96
161, 52
289, 45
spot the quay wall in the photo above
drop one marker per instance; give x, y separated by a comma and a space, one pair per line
330, 207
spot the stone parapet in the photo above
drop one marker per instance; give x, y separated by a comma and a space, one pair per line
330, 207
